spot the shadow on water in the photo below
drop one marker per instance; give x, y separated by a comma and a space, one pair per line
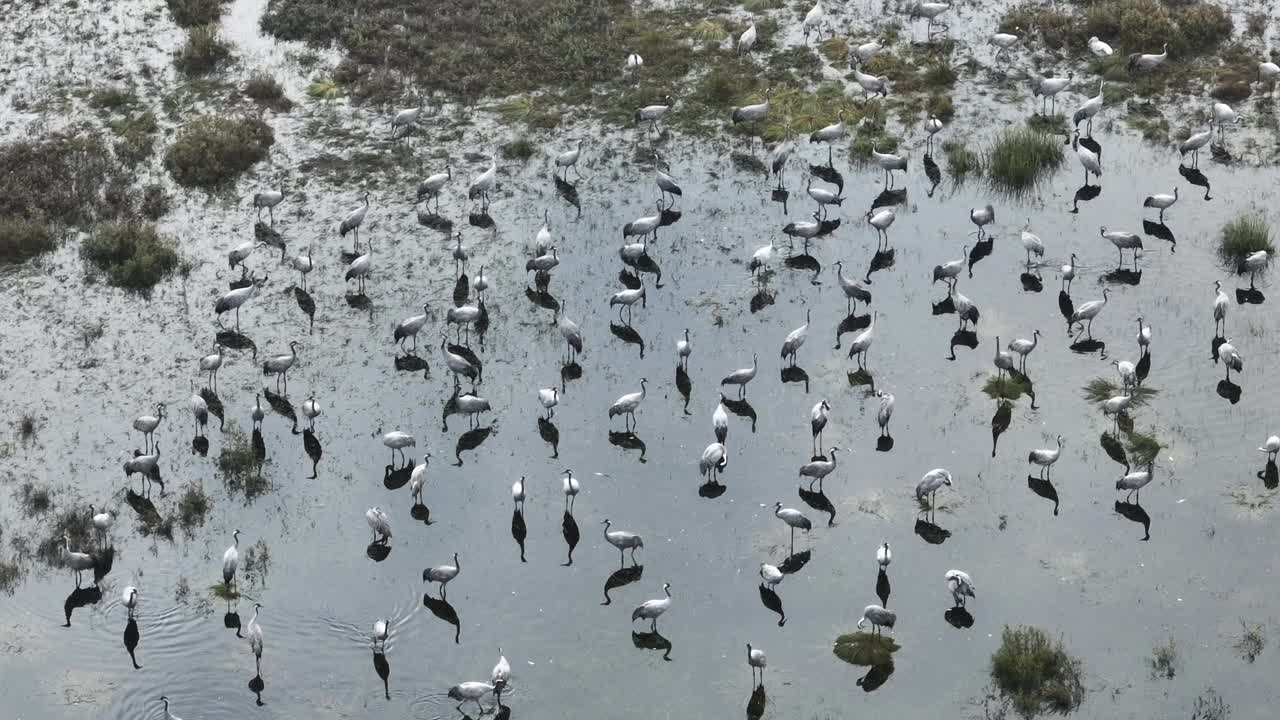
876, 676
883, 588
263, 232
470, 440
1065, 306
542, 299
378, 550
1044, 489
807, 263
306, 305
757, 703
80, 597
621, 578
652, 640
684, 385
1195, 177
1122, 276
796, 374
394, 478
1160, 231
443, 610
980, 250
231, 621
1229, 391
461, 290
773, 603
711, 489
311, 444
1087, 346
780, 196
410, 362
668, 217
519, 531
359, 301
421, 513
480, 220
628, 441
383, 668
1249, 296
852, 323
1000, 422
958, 618
741, 408
200, 446
568, 372
627, 334
131, 638
143, 508
1143, 368
1269, 475
569, 529
820, 502
550, 434
233, 340
646, 264
931, 533
762, 299
1135, 513
862, 378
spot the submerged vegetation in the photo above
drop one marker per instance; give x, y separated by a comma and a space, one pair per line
193, 506
211, 152
1164, 660
1242, 237
1036, 672
131, 254
961, 161
1251, 642
1100, 389
1020, 156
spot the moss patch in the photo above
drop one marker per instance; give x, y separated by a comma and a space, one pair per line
860, 648
1036, 672
132, 255
1021, 157
1243, 236
212, 152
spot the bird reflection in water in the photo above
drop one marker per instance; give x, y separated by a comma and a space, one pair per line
311, 444
762, 299
518, 530
684, 385
741, 408
568, 372
1122, 276
1133, 511
131, 638
443, 610
771, 601
933, 172
851, 323
1229, 391
962, 338
805, 262
1084, 193
1160, 231
384, 671
818, 501
795, 562
378, 550
1032, 281
1269, 476
780, 196
1044, 489
627, 334
256, 686
470, 440
307, 305
435, 222
757, 703
643, 263
481, 220
394, 478
828, 174
233, 340
569, 529
628, 441
881, 260
1000, 422
550, 434
652, 640
1195, 177
461, 290
931, 533
214, 403
80, 597
796, 374
143, 507
876, 676
231, 620
620, 578
958, 618
980, 250
542, 299
883, 588
1114, 450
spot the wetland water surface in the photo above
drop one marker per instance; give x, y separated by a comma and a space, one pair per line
1113, 579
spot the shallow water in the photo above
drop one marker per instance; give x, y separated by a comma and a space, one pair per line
1083, 572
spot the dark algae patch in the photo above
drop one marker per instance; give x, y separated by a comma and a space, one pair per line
211, 152
1036, 673
131, 255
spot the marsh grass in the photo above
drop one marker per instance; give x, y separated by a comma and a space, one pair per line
212, 152
112, 98
257, 563
223, 592
10, 576
35, 500
27, 426
1210, 706
941, 105
57, 179
193, 506
155, 202
1164, 660
239, 466
1142, 448
1020, 157
835, 50
190, 13
267, 91
521, 149
1009, 387
325, 88
203, 51
1101, 389
1252, 641
136, 135
1036, 672
131, 254
74, 522
961, 161
1251, 501
860, 648
1243, 236
531, 110
1048, 124
21, 240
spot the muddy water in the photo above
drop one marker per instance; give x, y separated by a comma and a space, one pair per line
1083, 572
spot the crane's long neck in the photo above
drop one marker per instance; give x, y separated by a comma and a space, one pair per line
254, 620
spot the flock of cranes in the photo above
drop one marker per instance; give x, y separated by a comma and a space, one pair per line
462, 363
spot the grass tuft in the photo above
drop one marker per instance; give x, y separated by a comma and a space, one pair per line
1243, 236
27, 425
519, 149
324, 89
1010, 387
1164, 660
57, 180
268, 92
1211, 706
1021, 156
112, 98
212, 152
136, 137
1101, 389
35, 500
131, 254
203, 52
239, 465
1142, 447
21, 240
961, 161
860, 648
10, 575
1252, 641
190, 13
1036, 672
193, 506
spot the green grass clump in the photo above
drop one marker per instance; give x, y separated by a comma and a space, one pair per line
267, 91
835, 50
211, 152
74, 522
518, 149
324, 89
1036, 672
941, 105
27, 426
112, 98
1211, 706
1057, 29
1243, 236
938, 76
1048, 124
57, 180
1101, 389
1021, 156
155, 202
131, 254
136, 137
860, 648
190, 13
193, 506
1164, 660
1010, 387
530, 110
1142, 447
709, 31
961, 161
1231, 91
21, 240
203, 52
